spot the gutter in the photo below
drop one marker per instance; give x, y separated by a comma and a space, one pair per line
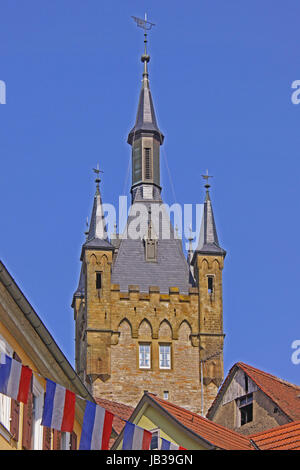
254, 445
42, 331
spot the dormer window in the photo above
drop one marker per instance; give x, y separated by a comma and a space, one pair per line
150, 241
151, 250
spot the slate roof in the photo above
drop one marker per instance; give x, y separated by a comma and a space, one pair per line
171, 268
208, 242
97, 236
145, 117
80, 291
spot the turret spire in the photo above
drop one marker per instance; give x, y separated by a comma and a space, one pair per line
97, 233
208, 239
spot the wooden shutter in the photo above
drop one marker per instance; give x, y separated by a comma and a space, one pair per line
73, 438
27, 420
56, 440
15, 411
46, 438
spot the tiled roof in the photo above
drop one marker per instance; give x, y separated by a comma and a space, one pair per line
286, 437
283, 393
119, 410
215, 434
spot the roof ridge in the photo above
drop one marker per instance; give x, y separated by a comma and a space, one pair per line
201, 418
267, 374
113, 402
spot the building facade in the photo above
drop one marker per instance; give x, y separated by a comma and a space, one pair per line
25, 338
147, 317
251, 401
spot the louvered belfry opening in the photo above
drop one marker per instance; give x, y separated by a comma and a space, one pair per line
148, 163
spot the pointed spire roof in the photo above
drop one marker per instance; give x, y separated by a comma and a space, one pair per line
208, 242
145, 117
97, 234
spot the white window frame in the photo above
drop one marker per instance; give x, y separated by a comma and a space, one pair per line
157, 432
5, 401
162, 357
37, 428
143, 362
65, 441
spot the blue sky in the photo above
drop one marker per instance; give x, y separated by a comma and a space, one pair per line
220, 75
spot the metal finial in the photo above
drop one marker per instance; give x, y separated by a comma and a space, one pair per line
191, 238
190, 250
87, 227
206, 177
146, 26
97, 171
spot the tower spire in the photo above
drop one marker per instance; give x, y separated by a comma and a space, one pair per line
145, 137
97, 234
208, 239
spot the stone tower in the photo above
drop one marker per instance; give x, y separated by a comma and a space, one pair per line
147, 318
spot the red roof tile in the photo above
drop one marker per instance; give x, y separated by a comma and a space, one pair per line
121, 412
283, 393
285, 437
216, 434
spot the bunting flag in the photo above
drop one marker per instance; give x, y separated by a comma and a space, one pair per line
14, 378
59, 407
59, 411
96, 428
136, 438
167, 445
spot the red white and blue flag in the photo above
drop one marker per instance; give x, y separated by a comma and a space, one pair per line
59, 407
167, 445
96, 428
136, 438
14, 378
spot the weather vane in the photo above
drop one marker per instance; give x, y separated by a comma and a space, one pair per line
97, 171
206, 177
146, 25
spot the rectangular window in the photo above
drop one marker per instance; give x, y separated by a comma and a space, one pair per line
246, 414
148, 166
98, 281
144, 356
155, 439
37, 412
210, 284
166, 395
5, 401
246, 383
245, 405
65, 443
164, 356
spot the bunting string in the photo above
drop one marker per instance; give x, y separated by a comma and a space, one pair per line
59, 411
